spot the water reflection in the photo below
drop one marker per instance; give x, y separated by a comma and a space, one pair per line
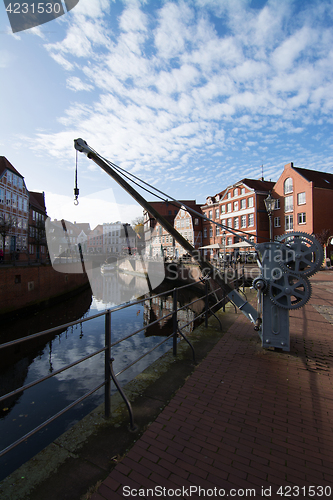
31, 360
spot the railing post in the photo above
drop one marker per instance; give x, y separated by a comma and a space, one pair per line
107, 396
206, 304
174, 321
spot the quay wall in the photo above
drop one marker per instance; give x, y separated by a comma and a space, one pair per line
23, 287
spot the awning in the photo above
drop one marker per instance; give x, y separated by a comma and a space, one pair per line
214, 245
240, 244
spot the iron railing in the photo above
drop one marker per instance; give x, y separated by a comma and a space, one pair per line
107, 349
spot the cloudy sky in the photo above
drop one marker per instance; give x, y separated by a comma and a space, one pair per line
191, 96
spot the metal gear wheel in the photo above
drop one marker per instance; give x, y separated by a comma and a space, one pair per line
301, 253
290, 291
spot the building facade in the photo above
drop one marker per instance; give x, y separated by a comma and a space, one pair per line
37, 215
158, 241
305, 201
240, 209
14, 209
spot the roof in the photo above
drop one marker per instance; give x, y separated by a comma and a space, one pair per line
37, 200
319, 179
6, 165
83, 226
258, 184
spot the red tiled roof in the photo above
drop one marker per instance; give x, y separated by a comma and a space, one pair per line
5, 164
319, 179
37, 200
258, 184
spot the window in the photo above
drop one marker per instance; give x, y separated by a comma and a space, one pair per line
288, 203
277, 222
289, 222
236, 223
217, 213
210, 214
196, 222
229, 240
210, 232
301, 218
229, 207
1, 196
8, 198
250, 202
277, 204
250, 220
228, 195
243, 203
217, 231
236, 192
243, 191
243, 221
205, 232
229, 222
301, 200
235, 206
288, 186
222, 209
9, 177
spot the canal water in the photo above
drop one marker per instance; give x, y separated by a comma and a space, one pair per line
27, 362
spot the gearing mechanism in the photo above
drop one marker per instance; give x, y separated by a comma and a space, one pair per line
283, 284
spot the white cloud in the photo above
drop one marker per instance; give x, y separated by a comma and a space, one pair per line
174, 85
76, 84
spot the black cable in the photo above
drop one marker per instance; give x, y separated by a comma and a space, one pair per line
126, 174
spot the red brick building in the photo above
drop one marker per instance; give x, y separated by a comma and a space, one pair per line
241, 208
305, 202
37, 215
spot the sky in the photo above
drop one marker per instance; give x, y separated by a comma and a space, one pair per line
191, 96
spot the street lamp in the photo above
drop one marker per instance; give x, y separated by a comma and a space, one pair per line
223, 242
270, 204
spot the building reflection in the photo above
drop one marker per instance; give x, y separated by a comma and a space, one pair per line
158, 307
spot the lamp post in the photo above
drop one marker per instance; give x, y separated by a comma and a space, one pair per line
270, 204
223, 242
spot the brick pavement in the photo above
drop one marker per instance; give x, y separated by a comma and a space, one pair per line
247, 418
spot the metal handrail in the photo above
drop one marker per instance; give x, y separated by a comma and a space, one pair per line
107, 349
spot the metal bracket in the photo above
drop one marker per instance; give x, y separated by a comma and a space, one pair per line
244, 306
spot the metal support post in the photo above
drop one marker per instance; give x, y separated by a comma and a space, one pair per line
107, 395
206, 304
174, 321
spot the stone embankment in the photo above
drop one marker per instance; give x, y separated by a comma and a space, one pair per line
25, 287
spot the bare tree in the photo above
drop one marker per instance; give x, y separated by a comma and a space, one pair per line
323, 238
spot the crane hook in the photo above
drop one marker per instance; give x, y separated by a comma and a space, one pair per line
76, 189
